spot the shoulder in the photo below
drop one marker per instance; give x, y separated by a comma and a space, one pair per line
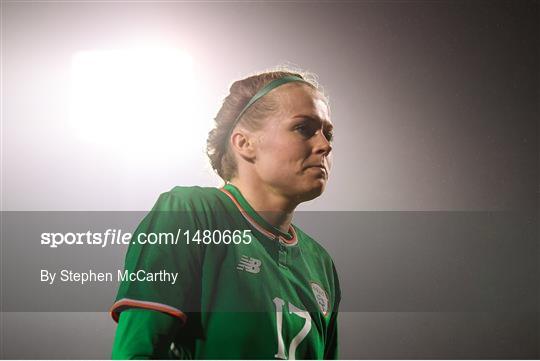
309, 244
315, 252
188, 197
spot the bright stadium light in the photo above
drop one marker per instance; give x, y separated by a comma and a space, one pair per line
138, 102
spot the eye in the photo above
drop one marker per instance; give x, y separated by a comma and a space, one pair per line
329, 135
305, 130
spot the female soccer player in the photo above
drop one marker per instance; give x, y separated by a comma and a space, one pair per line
250, 284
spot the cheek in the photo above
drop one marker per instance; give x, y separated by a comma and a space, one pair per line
282, 156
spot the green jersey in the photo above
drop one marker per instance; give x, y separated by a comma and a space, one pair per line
243, 289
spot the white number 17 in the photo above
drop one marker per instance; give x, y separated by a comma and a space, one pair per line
279, 303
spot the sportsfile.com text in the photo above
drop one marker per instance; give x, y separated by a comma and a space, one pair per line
119, 237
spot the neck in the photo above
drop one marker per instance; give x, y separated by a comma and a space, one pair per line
272, 206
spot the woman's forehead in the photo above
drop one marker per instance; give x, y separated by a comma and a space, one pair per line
299, 98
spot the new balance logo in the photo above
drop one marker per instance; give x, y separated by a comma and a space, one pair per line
249, 264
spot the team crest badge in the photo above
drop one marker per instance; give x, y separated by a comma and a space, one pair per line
321, 297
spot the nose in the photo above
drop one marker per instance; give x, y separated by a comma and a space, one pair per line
322, 144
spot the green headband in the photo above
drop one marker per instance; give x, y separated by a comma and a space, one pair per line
265, 90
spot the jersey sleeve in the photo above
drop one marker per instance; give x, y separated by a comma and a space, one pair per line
171, 216
144, 334
332, 347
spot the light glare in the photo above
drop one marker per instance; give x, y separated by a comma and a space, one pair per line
136, 101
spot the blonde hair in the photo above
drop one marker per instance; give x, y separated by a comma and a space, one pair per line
241, 91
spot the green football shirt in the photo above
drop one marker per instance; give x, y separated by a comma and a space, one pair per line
243, 289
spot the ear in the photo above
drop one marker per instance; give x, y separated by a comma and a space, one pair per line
242, 142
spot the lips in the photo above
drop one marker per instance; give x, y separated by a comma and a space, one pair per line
320, 167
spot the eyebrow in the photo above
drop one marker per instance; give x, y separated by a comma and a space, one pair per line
314, 118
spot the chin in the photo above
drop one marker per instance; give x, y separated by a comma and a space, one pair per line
313, 191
